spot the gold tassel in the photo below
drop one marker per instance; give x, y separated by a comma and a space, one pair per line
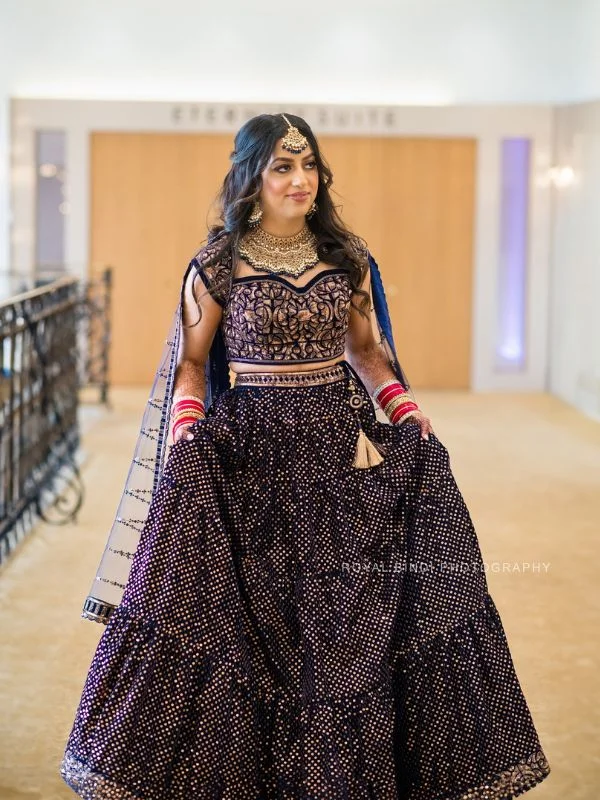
367, 455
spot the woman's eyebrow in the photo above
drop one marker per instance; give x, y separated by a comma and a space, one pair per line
285, 158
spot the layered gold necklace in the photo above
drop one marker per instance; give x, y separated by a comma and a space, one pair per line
288, 255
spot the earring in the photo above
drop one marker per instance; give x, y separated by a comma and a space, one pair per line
312, 210
255, 215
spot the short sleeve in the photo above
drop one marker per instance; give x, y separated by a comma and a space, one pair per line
214, 274
359, 249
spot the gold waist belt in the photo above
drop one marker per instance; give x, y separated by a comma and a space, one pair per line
313, 377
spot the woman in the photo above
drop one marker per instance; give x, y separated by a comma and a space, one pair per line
295, 622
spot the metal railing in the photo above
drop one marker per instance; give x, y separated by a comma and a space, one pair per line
94, 332
93, 318
54, 340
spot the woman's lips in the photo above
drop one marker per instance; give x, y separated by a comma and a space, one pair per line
299, 197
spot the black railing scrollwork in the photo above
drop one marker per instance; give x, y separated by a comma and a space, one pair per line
94, 332
39, 433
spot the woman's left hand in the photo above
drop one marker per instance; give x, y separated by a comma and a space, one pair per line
418, 418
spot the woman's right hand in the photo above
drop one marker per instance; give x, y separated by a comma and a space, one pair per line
183, 432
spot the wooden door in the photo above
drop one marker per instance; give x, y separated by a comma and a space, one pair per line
413, 202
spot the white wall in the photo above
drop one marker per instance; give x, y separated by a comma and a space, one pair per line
349, 51
581, 39
575, 304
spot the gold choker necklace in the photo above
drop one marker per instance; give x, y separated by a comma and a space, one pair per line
289, 255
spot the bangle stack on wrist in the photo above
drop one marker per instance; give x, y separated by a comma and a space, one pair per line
395, 401
186, 411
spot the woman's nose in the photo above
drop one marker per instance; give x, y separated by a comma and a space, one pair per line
299, 179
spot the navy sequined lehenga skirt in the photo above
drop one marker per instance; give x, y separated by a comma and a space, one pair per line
295, 628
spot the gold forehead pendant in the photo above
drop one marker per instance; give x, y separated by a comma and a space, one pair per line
293, 141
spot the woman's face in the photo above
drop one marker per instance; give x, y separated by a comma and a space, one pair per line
288, 174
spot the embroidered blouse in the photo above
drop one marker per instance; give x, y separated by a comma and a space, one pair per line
268, 319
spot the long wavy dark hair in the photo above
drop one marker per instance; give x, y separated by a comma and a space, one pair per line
253, 145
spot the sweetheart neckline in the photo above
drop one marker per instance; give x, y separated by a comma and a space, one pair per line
293, 286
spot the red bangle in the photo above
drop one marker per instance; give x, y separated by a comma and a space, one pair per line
385, 395
399, 412
398, 399
187, 403
394, 400
184, 421
386, 390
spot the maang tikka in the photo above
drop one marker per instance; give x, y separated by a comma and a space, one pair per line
293, 141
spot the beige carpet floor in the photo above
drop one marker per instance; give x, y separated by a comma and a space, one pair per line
529, 469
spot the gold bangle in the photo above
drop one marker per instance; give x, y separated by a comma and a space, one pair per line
186, 397
194, 410
406, 416
381, 386
189, 408
182, 415
399, 400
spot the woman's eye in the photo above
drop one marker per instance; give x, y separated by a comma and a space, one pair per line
285, 166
